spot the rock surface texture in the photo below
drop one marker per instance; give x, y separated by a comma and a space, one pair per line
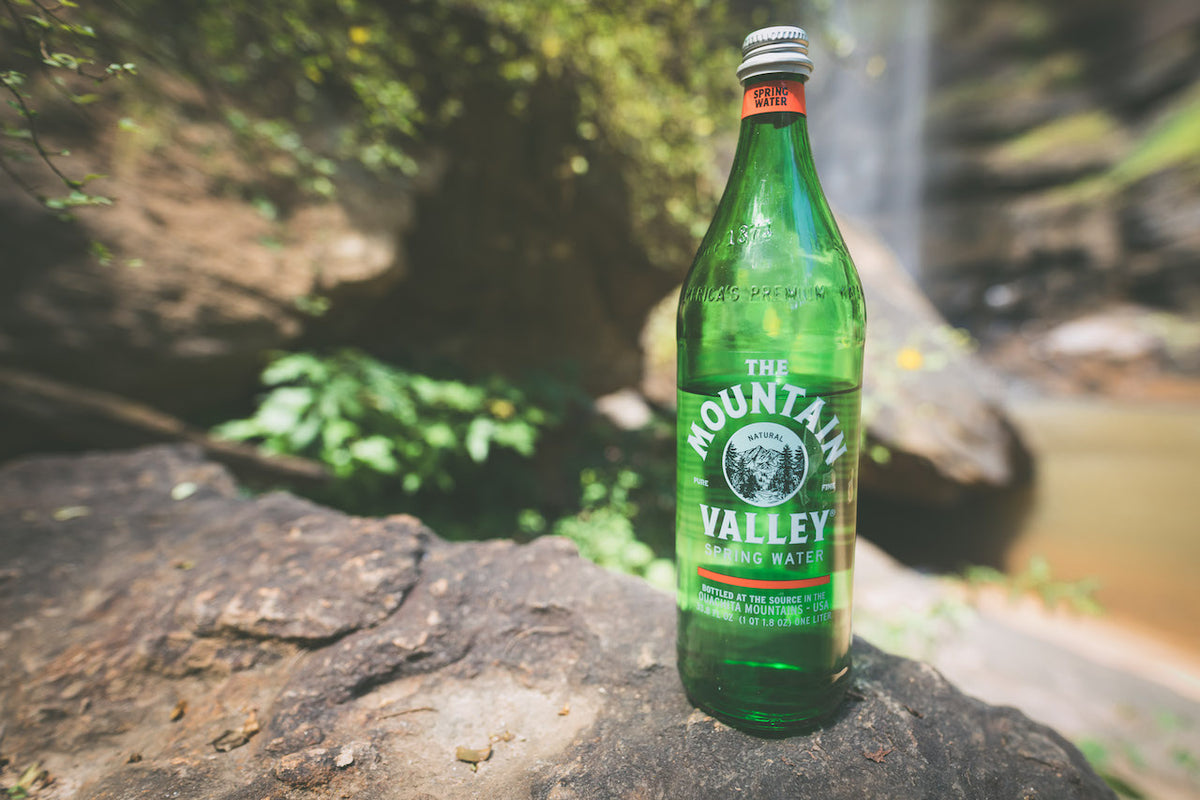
1052, 188
164, 637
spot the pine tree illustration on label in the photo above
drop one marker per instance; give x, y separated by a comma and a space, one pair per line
771, 329
765, 463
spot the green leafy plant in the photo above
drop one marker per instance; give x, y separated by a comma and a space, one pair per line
47, 45
378, 426
603, 529
353, 86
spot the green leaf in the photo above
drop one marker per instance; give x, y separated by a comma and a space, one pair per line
518, 436
292, 368
239, 430
336, 433
303, 435
77, 198
637, 556
101, 252
63, 60
440, 436
283, 409
478, 440
376, 452
12, 78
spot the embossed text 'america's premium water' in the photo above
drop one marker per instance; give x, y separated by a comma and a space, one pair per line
770, 333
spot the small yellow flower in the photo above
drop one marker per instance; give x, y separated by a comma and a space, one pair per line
502, 409
552, 47
909, 358
360, 34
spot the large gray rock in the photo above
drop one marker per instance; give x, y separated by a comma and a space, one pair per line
928, 403
165, 638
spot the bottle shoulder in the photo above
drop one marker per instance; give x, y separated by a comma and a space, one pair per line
801, 253
773, 259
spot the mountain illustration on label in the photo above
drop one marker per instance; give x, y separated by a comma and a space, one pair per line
765, 463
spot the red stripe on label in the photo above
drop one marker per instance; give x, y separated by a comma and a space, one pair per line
751, 583
764, 98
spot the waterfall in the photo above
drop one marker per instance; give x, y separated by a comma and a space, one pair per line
867, 106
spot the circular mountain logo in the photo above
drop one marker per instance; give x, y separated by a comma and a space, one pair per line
765, 463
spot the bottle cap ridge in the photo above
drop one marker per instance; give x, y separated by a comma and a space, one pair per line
780, 48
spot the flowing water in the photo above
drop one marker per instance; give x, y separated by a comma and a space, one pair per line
867, 115
1117, 497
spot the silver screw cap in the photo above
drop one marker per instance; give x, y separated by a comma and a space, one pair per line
781, 48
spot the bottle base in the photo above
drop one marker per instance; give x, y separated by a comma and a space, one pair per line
767, 721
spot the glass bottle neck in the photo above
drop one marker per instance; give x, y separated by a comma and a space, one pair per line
774, 125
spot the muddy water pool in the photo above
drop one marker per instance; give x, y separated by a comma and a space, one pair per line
1117, 497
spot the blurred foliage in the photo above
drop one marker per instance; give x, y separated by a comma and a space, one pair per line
1056, 71
319, 92
291, 159
317, 85
313, 87
603, 529
915, 631
1037, 579
1174, 141
462, 454
1058, 136
1101, 760
47, 43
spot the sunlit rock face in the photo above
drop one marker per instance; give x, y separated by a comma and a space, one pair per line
1062, 177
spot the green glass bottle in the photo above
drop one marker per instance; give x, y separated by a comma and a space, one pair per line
771, 328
